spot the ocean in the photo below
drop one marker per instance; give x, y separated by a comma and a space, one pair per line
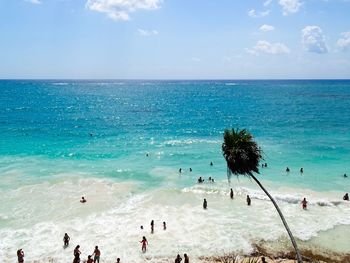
121, 143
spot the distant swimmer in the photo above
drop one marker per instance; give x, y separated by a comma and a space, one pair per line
265, 164
89, 260
190, 169
301, 170
180, 170
211, 164
82, 200
144, 244
345, 176
187, 260
178, 259
304, 203
200, 180
231, 193
147, 155
91, 134
287, 170
346, 197
66, 239
141, 227
249, 201
152, 226
20, 255
97, 255
164, 226
209, 179
205, 204
212, 180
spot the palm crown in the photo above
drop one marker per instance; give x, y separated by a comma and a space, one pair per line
241, 152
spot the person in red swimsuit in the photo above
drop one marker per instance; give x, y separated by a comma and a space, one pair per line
144, 244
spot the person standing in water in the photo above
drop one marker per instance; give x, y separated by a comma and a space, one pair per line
20, 255
304, 203
66, 239
152, 226
211, 164
76, 254
164, 226
301, 170
118, 260
97, 254
82, 200
231, 193
248, 200
205, 204
187, 260
178, 259
287, 170
144, 244
346, 197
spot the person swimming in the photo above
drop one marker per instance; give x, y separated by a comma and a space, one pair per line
346, 197
211, 164
190, 169
200, 180
164, 226
66, 239
180, 170
231, 193
301, 170
249, 201
345, 176
205, 204
82, 200
287, 170
141, 227
304, 203
144, 244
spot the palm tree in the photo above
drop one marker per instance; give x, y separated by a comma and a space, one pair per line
242, 155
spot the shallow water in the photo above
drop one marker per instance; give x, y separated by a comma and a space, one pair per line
62, 140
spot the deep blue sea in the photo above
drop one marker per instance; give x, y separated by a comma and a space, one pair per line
60, 137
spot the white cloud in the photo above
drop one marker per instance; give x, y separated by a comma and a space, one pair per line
147, 33
121, 9
290, 6
344, 42
267, 2
314, 40
34, 1
266, 28
255, 14
263, 46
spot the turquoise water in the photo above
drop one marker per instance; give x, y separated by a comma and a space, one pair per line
179, 123
64, 139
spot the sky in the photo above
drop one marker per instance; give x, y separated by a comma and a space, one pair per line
174, 39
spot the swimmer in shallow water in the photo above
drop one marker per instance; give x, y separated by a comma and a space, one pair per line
82, 200
346, 197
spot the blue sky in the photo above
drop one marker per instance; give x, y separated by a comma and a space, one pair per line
175, 39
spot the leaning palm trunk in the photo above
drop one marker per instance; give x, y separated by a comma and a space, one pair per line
299, 258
